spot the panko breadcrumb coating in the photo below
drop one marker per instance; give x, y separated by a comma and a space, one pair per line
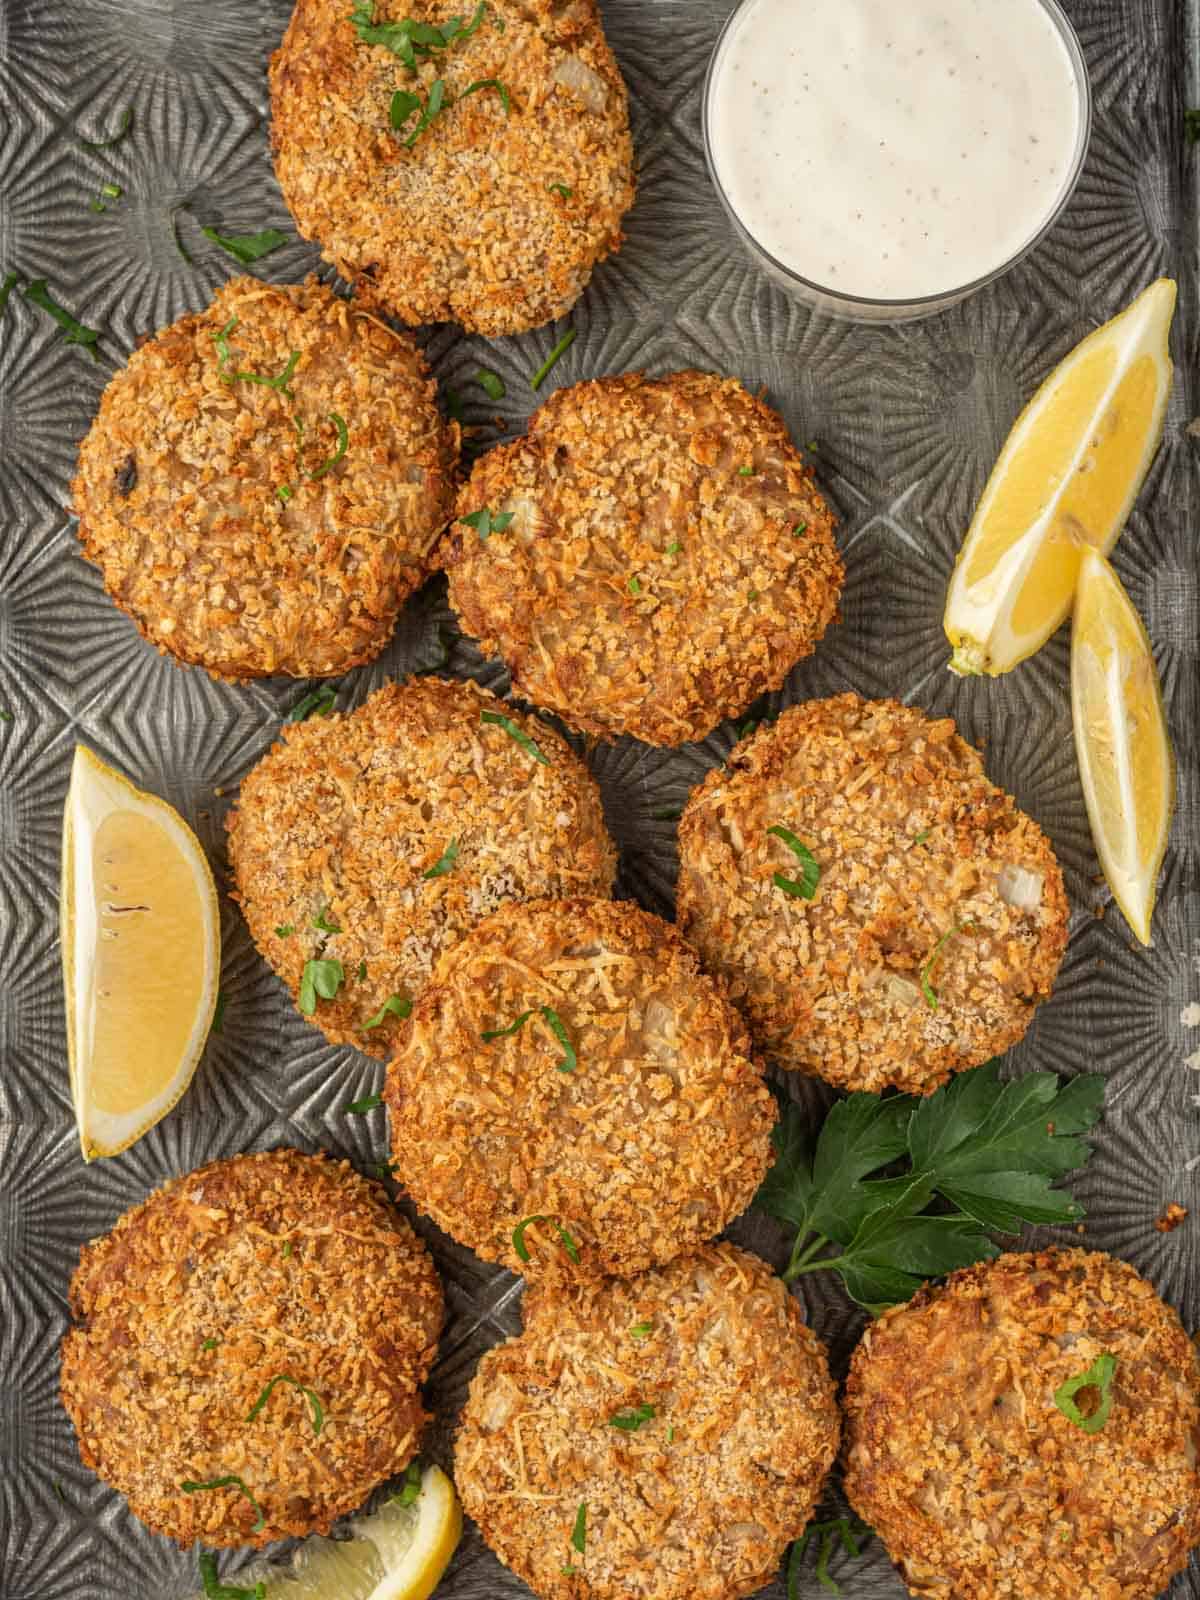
207, 499
939, 919
268, 1266
700, 1500
496, 212
643, 1135
377, 840
975, 1480
669, 557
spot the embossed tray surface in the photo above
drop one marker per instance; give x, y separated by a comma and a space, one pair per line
907, 423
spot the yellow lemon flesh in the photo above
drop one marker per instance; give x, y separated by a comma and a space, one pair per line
1125, 759
396, 1553
141, 954
1065, 482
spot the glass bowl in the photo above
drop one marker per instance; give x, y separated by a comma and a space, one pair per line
856, 308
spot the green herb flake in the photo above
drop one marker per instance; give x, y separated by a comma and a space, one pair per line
319, 980
11, 280
221, 340
402, 107
486, 522
674, 547
527, 744
285, 930
492, 382
123, 128
552, 360
505, 1033
983, 1153
39, 295
630, 1418
568, 1571
641, 1330
408, 38
285, 492
279, 383
396, 1005
667, 814
635, 586
745, 472
210, 1344
569, 1244
316, 1410
411, 1486
431, 108
322, 923
111, 191
173, 219
1099, 1376
920, 838
490, 83
446, 863
317, 703
671, 1435
231, 1481
927, 988
343, 434
97, 206
801, 527
287, 1250
218, 1021
849, 1532
555, 1023
579, 1532
247, 247
806, 887
362, 971
214, 1589
369, 1102
562, 189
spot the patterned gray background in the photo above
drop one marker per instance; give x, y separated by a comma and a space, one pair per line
907, 422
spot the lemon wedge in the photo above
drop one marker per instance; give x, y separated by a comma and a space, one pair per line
141, 950
1125, 758
1065, 482
397, 1553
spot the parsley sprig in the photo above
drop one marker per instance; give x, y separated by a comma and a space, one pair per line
566, 1239
553, 1021
321, 979
314, 1400
396, 1005
230, 1481
987, 1151
409, 39
530, 746
805, 887
247, 247
77, 333
214, 1589
849, 1532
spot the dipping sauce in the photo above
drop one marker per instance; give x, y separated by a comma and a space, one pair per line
893, 149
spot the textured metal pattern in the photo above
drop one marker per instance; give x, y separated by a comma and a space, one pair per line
907, 424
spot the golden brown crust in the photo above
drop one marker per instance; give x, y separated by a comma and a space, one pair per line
912, 843
654, 1142
293, 1265
647, 584
465, 225
698, 1503
343, 818
179, 479
978, 1484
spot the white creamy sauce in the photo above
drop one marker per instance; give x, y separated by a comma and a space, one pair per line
892, 149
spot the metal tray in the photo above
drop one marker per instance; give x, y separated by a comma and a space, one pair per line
907, 423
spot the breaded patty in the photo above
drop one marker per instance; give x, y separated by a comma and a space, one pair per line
725, 1428
493, 210
971, 1474
366, 845
938, 918
256, 527
624, 1107
669, 555
280, 1270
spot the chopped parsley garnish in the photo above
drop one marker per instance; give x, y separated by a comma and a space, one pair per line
383, 1169
38, 294
6, 716
123, 128
486, 522
989, 1150
806, 887
362, 971
279, 383
927, 988
801, 527
343, 436
320, 979
322, 923
579, 1533
176, 240
562, 189
111, 191
667, 814
316, 703
1191, 126
11, 280
568, 1571
221, 340
408, 38
674, 547
214, 1589
210, 1344
1099, 1376
552, 360
396, 1005
849, 1532
369, 1102
287, 1249
218, 1020
285, 492
490, 83
285, 930
448, 858
492, 382
641, 1329
920, 838
247, 247
747, 728
314, 1400
403, 107
232, 1481
569, 1244
553, 1021
527, 744
671, 1435
635, 585
631, 1418
411, 1487
745, 472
